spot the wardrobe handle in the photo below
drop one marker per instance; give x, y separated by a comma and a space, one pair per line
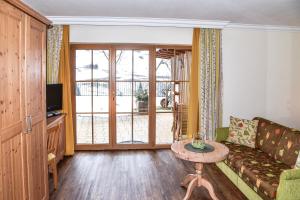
29, 124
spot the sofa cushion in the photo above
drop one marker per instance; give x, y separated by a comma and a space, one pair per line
261, 172
242, 131
268, 136
288, 147
238, 152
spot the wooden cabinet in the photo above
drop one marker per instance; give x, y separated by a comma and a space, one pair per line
23, 151
56, 121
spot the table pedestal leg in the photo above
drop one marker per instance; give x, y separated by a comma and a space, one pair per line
188, 179
196, 180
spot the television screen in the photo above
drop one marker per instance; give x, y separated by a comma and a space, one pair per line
54, 97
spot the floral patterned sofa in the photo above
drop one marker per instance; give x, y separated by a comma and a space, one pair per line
267, 171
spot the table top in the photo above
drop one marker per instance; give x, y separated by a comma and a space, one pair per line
220, 152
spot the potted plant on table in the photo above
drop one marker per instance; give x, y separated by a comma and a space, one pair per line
142, 99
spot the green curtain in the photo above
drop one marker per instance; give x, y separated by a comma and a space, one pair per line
54, 39
210, 76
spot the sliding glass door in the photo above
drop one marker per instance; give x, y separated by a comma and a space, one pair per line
132, 96
92, 96
112, 96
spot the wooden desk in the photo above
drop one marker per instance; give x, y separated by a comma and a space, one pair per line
55, 121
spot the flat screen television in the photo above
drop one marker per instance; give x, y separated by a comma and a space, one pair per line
54, 97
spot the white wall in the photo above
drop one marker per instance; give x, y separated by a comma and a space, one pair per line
130, 34
261, 75
261, 69
283, 78
244, 73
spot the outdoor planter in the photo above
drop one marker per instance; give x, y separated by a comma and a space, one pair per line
142, 106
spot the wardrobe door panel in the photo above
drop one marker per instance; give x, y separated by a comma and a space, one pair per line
12, 44
12, 168
11, 62
36, 145
36, 163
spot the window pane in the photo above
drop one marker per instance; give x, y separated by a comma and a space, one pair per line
141, 97
183, 91
164, 96
124, 128
140, 128
101, 65
123, 96
164, 64
101, 129
101, 96
164, 123
83, 97
83, 65
124, 65
84, 128
182, 65
141, 65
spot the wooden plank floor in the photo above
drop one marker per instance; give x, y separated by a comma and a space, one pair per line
133, 175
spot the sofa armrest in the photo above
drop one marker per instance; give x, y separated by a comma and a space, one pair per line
289, 185
222, 134
290, 174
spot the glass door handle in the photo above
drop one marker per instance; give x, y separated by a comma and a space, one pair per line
113, 96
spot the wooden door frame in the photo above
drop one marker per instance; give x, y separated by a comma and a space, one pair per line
112, 112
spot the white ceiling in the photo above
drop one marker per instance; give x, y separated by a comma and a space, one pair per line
260, 12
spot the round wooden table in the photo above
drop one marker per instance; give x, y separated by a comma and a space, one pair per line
191, 181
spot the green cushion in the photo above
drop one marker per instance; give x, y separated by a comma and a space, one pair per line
222, 134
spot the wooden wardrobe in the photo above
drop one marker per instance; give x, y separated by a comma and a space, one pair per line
23, 142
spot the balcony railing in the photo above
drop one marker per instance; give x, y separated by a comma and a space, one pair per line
124, 89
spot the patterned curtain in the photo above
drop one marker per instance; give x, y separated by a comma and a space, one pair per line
210, 105
54, 40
